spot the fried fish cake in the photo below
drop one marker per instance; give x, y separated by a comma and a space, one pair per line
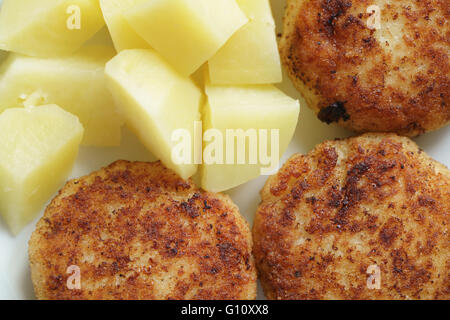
137, 231
352, 216
370, 77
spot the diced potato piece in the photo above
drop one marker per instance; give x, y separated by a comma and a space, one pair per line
248, 108
186, 32
76, 83
124, 37
38, 147
47, 28
155, 101
251, 55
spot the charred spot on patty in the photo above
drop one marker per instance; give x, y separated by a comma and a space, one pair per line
334, 9
333, 113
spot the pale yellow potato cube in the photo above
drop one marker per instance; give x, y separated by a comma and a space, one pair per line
186, 33
251, 55
124, 37
48, 28
38, 147
76, 83
155, 102
250, 109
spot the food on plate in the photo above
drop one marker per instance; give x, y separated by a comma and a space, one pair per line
38, 147
391, 76
260, 117
362, 218
124, 37
251, 55
76, 83
155, 102
186, 32
138, 231
48, 28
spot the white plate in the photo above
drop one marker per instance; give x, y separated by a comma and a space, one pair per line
15, 280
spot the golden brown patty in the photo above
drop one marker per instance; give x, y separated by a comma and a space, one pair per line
138, 231
394, 79
375, 200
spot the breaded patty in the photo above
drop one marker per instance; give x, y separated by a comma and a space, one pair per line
373, 201
138, 231
392, 79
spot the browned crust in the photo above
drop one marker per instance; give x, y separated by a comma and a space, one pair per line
348, 76
370, 200
138, 231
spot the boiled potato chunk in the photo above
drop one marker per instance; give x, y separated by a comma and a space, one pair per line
76, 83
155, 101
251, 55
250, 109
48, 28
38, 147
124, 37
186, 33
